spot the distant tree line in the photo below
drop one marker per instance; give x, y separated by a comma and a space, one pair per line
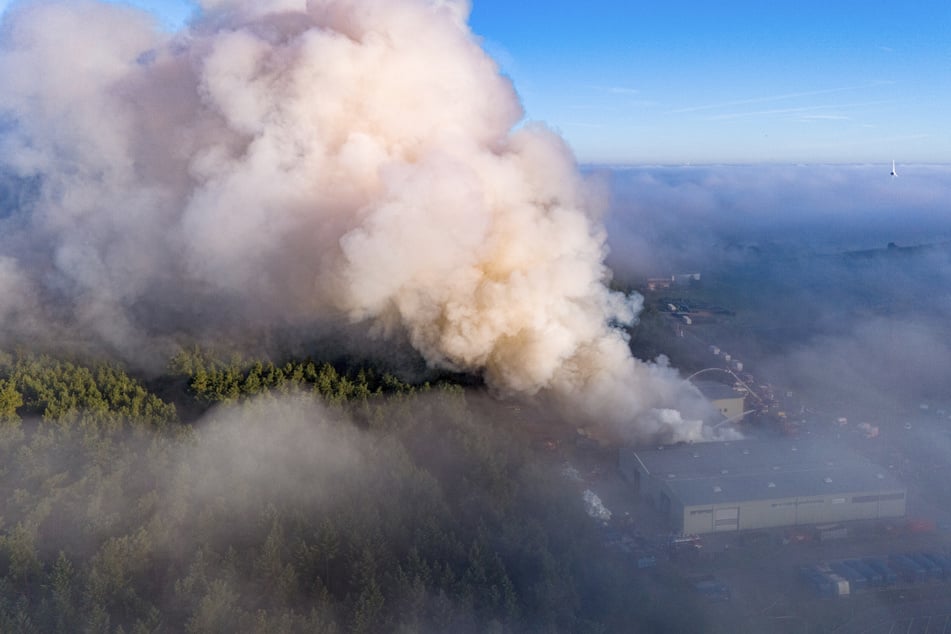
212, 379
66, 392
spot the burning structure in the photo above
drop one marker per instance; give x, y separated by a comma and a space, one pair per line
746, 485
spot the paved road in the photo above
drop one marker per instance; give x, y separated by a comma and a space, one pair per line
933, 617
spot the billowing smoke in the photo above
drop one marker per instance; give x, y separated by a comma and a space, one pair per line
285, 162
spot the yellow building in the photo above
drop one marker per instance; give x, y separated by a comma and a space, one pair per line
728, 401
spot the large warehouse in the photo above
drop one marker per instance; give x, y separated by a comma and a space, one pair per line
752, 484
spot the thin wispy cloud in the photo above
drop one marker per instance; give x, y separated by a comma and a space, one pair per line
607, 108
825, 117
874, 141
599, 107
796, 110
616, 89
583, 124
780, 97
904, 137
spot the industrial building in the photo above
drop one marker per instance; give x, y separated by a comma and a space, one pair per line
753, 484
729, 402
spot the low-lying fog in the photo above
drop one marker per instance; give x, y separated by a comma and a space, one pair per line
838, 274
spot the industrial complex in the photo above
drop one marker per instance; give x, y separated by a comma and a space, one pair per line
754, 484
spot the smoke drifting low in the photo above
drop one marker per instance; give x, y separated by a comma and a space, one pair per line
839, 275
285, 163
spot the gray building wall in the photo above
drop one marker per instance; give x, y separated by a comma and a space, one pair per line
772, 513
703, 513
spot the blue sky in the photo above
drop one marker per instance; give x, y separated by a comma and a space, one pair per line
694, 81
757, 81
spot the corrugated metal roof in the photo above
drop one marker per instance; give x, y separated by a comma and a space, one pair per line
744, 456
787, 485
710, 473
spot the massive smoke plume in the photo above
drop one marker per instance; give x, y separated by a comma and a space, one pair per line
286, 162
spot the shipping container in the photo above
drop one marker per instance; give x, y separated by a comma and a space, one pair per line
712, 588
934, 571
841, 585
873, 577
818, 581
857, 581
820, 584
942, 561
880, 566
909, 571
917, 526
645, 560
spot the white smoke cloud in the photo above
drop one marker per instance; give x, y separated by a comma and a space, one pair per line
286, 161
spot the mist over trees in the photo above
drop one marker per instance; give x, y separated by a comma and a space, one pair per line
300, 498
